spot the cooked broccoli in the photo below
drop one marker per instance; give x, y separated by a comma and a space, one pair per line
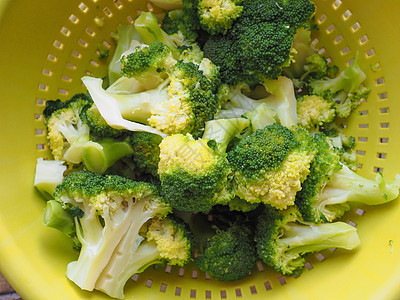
149, 65
230, 254
345, 90
330, 187
111, 206
314, 111
66, 131
181, 104
146, 149
345, 147
283, 239
260, 42
167, 240
126, 34
270, 165
195, 174
48, 174
183, 21
238, 204
217, 16
281, 99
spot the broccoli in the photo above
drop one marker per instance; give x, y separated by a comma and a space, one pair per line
345, 148
111, 206
150, 65
283, 239
181, 104
281, 99
57, 217
330, 187
217, 16
195, 174
270, 164
183, 21
167, 240
345, 90
238, 204
126, 34
229, 254
146, 149
48, 174
314, 111
260, 42
66, 131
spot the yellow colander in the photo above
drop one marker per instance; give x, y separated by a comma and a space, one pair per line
47, 46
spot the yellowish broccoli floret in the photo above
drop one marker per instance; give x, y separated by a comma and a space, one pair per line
270, 165
217, 16
314, 111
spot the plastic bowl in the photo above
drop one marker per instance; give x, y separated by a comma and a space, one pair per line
47, 47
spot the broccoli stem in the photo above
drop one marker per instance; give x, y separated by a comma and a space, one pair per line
146, 255
224, 130
98, 244
301, 239
347, 186
55, 216
121, 265
99, 156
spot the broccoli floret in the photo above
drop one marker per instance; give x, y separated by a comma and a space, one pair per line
345, 148
260, 42
270, 165
283, 239
146, 149
98, 127
229, 254
314, 111
148, 65
345, 90
66, 131
57, 217
330, 187
181, 104
48, 174
167, 241
195, 174
126, 34
111, 206
217, 16
238, 204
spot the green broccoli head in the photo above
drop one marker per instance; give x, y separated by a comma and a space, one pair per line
66, 131
195, 174
270, 165
152, 63
260, 42
111, 206
283, 239
192, 100
146, 152
229, 254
